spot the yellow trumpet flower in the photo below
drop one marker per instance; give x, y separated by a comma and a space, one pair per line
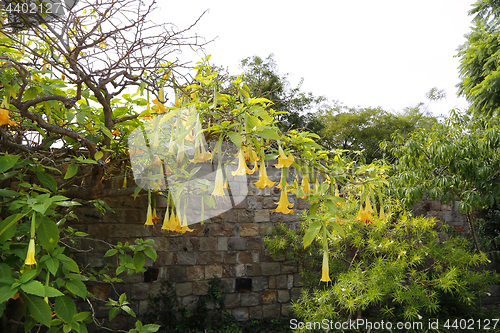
263, 179
174, 223
219, 183
325, 272
284, 205
149, 219
185, 227
180, 154
306, 188
242, 166
5, 117
30, 258
166, 219
155, 217
283, 161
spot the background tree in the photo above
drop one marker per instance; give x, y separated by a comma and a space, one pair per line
359, 129
479, 62
264, 80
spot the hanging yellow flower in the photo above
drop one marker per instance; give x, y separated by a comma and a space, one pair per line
30, 258
166, 219
155, 217
382, 214
306, 188
5, 117
263, 179
219, 183
242, 166
149, 219
174, 223
283, 161
185, 227
325, 271
284, 205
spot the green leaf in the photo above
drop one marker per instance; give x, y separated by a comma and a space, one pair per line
269, 133
52, 265
65, 309
311, 233
6, 293
77, 287
151, 327
331, 206
5, 270
139, 260
128, 310
34, 288
110, 252
82, 316
28, 276
68, 263
236, 138
150, 252
47, 180
7, 162
72, 170
113, 312
39, 309
48, 234
9, 193
8, 227
52, 292
98, 155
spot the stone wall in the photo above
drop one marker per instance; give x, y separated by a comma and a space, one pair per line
229, 246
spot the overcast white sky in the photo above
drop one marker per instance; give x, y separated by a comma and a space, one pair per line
386, 53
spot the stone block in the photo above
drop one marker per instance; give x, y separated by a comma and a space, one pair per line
295, 293
209, 258
286, 309
231, 257
236, 244
143, 306
255, 312
193, 244
246, 216
139, 291
266, 229
186, 258
302, 204
259, 283
232, 300
262, 215
240, 314
255, 256
279, 217
221, 243
177, 244
283, 296
297, 280
213, 271
195, 273
269, 297
208, 244
99, 291
253, 270
228, 285
270, 268
288, 267
254, 243
269, 203
289, 282
200, 287
254, 202
189, 302
176, 273
244, 257
184, 289
435, 205
250, 299
446, 207
231, 216
222, 229
272, 282
281, 281
271, 310
247, 230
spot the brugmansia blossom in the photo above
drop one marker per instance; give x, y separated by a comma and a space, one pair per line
263, 179
242, 166
149, 219
284, 205
325, 272
219, 183
30, 257
365, 215
283, 160
4, 114
306, 188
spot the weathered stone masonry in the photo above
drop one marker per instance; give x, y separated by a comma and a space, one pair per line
229, 246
